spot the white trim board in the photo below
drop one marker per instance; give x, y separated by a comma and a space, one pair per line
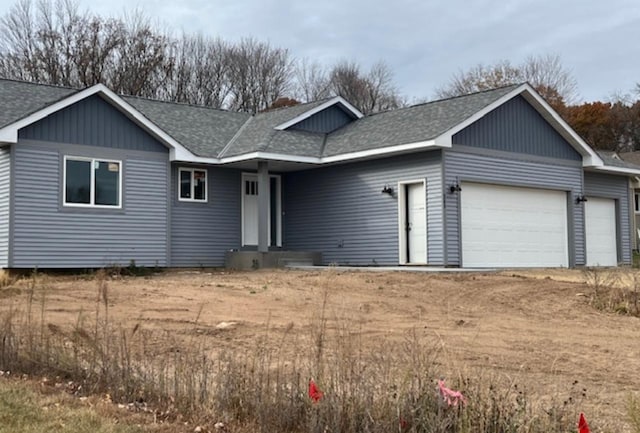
179, 153
9, 133
331, 102
589, 156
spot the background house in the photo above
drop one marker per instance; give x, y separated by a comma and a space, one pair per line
494, 179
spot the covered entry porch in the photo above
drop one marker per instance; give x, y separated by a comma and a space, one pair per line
262, 239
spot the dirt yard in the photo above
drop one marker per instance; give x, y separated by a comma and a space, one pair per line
534, 328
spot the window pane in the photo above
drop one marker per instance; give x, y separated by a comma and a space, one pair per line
185, 184
107, 177
78, 187
200, 188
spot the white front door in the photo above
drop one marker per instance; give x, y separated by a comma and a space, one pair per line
600, 230
250, 193
414, 229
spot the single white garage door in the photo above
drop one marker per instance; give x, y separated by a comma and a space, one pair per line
505, 226
600, 230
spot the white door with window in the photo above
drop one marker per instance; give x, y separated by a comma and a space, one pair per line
413, 222
250, 192
600, 231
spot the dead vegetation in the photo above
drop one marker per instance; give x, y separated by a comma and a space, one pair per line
239, 349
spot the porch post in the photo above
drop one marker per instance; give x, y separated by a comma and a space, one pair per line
264, 200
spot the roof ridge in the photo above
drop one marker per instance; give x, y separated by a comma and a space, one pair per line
33, 83
435, 101
275, 110
122, 95
185, 104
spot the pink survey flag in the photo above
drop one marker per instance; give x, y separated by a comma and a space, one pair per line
451, 397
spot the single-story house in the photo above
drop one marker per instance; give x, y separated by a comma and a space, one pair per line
89, 178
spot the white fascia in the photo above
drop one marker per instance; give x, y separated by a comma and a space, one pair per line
333, 101
9, 134
364, 154
617, 170
589, 156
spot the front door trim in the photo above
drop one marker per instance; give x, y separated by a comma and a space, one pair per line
403, 241
278, 201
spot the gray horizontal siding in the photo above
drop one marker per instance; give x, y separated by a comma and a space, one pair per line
341, 212
460, 167
5, 193
614, 187
95, 122
325, 121
201, 233
517, 127
48, 235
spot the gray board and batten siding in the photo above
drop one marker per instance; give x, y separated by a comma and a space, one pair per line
47, 234
341, 211
325, 121
517, 127
603, 185
92, 121
202, 232
5, 194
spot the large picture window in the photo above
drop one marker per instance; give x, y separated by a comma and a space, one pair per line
192, 184
92, 182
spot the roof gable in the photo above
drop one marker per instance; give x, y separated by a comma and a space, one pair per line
516, 126
325, 121
415, 124
316, 108
92, 121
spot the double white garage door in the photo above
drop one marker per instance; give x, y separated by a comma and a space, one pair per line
504, 226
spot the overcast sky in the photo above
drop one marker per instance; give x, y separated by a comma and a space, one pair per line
423, 41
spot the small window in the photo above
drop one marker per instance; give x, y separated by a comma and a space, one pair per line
251, 187
192, 184
636, 198
92, 182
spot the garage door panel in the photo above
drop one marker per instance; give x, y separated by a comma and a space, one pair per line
506, 226
600, 230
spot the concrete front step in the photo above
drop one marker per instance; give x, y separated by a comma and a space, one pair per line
271, 259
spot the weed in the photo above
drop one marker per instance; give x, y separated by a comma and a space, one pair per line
633, 413
616, 291
388, 387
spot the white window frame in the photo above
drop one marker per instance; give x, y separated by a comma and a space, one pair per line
636, 202
206, 184
92, 194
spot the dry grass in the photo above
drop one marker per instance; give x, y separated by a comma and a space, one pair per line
256, 379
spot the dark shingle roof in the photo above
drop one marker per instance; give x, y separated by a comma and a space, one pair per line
260, 135
411, 124
613, 159
631, 157
204, 131
214, 133
19, 99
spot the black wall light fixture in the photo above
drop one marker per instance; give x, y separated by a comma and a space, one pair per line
581, 199
455, 188
387, 190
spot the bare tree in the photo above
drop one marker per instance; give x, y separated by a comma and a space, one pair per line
545, 73
258, 75
197, 71
53, 43
139, 58
369, 92
311, 81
